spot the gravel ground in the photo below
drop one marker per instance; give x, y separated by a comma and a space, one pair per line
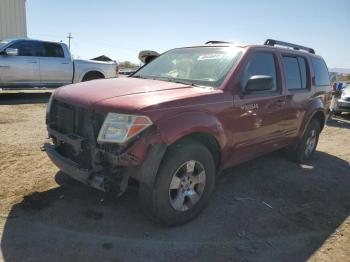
269, 209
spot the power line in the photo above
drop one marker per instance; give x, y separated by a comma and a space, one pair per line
69, 38
118, 45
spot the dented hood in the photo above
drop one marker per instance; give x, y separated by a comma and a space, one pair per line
121, 93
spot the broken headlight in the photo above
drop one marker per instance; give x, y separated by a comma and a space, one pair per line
119, 128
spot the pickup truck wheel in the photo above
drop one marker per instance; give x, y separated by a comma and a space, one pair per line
337, 113
92, 76
307, 145
184, 183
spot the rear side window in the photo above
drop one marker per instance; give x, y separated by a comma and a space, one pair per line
260, 64
321, 72
53, 50
295, 72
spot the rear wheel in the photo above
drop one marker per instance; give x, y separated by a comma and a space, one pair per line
337, 113
183, 186
92, 76
306, 147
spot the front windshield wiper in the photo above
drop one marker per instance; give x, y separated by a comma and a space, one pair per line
169, 79
185, 82
174, 80
138, 76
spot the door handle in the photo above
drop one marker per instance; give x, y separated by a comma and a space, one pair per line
32, 62
65, 63
281, 102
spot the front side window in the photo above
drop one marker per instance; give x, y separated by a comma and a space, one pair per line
53, 50
204, 66
28, 48
295, 72
260, 64
321, 72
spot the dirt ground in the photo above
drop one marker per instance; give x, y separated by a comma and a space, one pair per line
269, 209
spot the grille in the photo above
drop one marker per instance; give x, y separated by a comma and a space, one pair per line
68, 119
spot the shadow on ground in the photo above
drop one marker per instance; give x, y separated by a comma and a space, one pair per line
268, 209
24, 98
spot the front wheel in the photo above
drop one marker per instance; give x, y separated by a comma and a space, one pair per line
184, 183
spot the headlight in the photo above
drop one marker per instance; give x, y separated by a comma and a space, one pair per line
344, 95
119, 128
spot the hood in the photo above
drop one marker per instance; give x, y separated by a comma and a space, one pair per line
88, 94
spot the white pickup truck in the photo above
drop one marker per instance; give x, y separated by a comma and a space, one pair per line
26, 63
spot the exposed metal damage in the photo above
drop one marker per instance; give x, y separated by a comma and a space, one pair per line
75, 151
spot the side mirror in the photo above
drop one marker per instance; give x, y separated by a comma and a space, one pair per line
11, 51
259, 83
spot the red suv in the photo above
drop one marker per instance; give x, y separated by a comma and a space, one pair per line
190, 113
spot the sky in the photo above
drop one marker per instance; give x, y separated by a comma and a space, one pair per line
120, 29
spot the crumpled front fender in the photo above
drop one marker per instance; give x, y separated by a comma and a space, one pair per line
174, 128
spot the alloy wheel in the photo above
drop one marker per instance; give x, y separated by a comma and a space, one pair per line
187, 185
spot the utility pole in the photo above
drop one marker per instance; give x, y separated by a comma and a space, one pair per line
69, 38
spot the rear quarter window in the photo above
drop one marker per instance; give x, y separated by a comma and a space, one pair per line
321, 72
295, 72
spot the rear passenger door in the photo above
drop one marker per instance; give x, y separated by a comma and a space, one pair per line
297, 82
56, 66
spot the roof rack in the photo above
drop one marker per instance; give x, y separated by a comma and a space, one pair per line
217, 42
272, 42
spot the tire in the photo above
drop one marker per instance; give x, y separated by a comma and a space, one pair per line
63, 179
306, 147
162, 204
337, 113
92, 76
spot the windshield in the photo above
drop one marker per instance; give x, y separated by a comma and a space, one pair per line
202, 66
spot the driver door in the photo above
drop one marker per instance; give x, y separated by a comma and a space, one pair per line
257, 117
21, 70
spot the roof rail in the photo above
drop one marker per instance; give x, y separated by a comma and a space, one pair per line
272, 42
217, 42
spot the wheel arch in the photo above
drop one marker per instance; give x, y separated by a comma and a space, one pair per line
80, 74
201, 127
207, 140
92, 72
318, 115
195, 126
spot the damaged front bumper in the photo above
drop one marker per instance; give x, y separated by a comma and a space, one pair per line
108, 171
73, 169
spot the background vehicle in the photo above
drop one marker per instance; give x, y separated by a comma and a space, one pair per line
187, 115
32, 63
341, 100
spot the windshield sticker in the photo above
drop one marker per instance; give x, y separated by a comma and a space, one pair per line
211, 56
